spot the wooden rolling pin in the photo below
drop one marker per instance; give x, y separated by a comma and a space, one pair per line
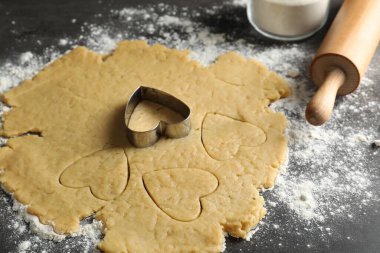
344, 56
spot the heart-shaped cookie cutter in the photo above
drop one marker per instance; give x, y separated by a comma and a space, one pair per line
142, 139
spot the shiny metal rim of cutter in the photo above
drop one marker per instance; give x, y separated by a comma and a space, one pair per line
142, 139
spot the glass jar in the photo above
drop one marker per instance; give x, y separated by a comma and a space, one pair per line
288, 20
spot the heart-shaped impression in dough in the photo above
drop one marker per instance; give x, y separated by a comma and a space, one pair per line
223, 136
105, 172
178, 192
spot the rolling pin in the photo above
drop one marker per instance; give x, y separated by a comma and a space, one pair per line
343, 56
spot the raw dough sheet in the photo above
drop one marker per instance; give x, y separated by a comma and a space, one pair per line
67, 156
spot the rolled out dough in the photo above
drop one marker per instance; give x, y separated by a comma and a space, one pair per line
67, 156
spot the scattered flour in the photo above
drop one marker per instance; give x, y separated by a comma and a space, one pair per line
167, 20
26, 57
360, 138
328, 176
251, 233
239, 2
63, 42
303, 201
293, 73
24, 246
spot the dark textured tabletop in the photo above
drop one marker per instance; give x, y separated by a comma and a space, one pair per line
37, 25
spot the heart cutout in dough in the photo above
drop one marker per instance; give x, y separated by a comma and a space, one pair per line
105, 172
178, 192
223, 136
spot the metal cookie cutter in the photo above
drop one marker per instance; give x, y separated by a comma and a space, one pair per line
172, 130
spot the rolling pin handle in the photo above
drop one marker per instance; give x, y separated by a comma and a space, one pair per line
320, 107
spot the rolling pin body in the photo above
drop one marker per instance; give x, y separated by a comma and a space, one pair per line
348, 46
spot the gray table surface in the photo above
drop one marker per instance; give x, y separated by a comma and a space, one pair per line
49, 20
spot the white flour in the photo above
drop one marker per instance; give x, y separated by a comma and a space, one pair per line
288, 18
316, 187
23, 246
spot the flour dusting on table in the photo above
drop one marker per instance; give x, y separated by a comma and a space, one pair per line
327, 176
